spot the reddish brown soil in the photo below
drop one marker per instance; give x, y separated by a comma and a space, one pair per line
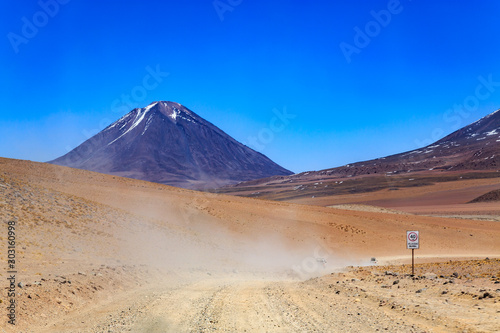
144, 247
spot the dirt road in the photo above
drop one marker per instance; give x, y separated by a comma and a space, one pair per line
232, 306
461, 297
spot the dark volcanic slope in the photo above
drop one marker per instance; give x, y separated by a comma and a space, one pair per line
488, 197
475, 147
169, 144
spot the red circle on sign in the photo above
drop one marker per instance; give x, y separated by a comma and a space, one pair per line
412, 236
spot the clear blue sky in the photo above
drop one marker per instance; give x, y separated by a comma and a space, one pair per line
354, 96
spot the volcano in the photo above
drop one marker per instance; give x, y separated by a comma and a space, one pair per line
167, 143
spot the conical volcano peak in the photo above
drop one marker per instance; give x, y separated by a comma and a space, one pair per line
172, 110
167, 143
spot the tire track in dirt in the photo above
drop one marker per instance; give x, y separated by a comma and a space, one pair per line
178, 309
294, 314
251, 307
237, 306
320, 310
209, 318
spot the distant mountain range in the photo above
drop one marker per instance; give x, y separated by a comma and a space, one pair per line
167, 143
475, 147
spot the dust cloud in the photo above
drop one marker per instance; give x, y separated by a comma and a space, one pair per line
186, 239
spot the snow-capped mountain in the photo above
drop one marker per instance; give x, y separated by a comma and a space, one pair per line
167, 143
475, 147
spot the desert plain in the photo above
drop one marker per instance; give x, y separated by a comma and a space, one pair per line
100, 253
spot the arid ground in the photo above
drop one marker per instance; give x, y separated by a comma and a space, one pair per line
440, 193
97, 253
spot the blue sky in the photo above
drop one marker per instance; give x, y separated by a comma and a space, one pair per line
356, 79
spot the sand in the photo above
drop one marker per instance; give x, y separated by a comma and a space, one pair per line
98, 253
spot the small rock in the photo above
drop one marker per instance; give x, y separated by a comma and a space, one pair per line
396, 282
421, 290
455, 274
486, 295
21, 285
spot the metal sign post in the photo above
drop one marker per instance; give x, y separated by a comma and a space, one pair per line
412, 262
412, 242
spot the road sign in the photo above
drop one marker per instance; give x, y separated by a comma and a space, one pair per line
412, 239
